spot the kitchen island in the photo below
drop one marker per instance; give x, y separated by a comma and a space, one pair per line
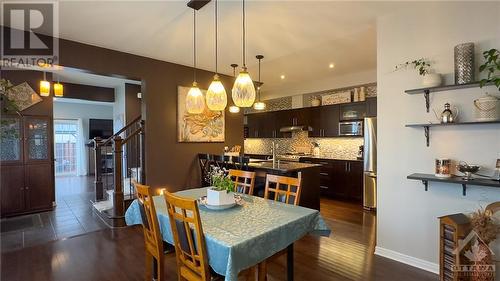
309, 174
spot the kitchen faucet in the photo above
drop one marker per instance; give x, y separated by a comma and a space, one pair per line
273, 150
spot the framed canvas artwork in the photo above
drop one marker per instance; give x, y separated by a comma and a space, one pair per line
208, 126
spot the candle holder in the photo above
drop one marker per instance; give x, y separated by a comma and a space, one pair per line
443, 168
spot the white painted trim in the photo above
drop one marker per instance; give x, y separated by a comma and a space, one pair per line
80, 101
409, 260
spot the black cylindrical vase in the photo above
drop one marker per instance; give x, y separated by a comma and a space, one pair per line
464, 63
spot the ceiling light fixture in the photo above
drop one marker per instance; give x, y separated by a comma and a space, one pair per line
58, 88
243, 91
234, 108
216, 94
331, 65
195, 102
44, 86
282, 76
259, 105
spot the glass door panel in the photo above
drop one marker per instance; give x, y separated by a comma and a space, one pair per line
10, 140
37, 139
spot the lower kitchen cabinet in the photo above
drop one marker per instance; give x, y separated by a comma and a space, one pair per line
339, 178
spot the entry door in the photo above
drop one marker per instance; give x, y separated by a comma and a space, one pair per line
65, 147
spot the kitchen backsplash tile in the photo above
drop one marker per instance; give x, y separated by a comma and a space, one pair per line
339, 148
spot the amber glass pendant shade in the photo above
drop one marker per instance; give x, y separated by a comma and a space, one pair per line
58, 90
195, 102
44, 88
216, 95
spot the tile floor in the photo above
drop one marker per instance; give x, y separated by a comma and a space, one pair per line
73, 216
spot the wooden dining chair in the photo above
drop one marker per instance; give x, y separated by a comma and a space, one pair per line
243, 181
189, 241
152, 235
283, 189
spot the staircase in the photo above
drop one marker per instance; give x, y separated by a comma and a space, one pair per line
119, 161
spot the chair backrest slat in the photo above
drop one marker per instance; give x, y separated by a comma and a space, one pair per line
151, 228
189, 241
274, 185
244, 181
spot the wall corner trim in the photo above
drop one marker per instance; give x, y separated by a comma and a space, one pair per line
409, 260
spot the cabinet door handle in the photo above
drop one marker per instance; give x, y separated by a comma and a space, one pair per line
324, 174
346, 166
349, 167
323, 187
324, 163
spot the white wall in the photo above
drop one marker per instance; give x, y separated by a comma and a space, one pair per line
316, 85
67, 110
407, 215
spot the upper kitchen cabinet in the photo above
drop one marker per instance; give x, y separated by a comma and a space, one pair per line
371, 107
324, 121
261, 125
353, 111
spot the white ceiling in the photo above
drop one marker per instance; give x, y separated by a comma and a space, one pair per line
298, 38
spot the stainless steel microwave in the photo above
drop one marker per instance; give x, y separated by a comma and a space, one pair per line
351, 128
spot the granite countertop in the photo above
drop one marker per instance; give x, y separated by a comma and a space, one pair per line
328, 157
282, 166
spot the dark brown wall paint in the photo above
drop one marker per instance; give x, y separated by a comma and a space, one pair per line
168, 163
33, 78
86, 92
132, 102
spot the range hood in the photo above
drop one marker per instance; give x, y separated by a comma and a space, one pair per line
296, 128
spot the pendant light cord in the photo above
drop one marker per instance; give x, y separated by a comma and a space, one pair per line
194, 44
216, 38
244, 34
260, 84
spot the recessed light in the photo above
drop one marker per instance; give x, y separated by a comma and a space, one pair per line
282, 76
331, 65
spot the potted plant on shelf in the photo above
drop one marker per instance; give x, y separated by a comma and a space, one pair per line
487, 107
423, 66
222, 190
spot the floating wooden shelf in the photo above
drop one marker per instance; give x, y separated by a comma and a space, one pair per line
427, 126
427, 91
426, 178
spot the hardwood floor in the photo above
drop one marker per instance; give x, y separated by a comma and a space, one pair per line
118, 255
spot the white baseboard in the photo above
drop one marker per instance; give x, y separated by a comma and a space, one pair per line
412, 261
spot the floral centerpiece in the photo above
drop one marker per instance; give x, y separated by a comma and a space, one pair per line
221, 191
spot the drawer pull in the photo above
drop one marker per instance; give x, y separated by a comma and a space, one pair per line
324, 163
324, 174
323, 187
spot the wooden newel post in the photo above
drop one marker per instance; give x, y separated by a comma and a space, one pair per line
99, 190
118, 200
142, 152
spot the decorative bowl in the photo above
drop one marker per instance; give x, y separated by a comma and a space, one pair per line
467, 169
238, 200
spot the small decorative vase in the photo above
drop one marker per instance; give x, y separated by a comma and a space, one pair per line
431, 80
464, 63
487, 108
362, 94
218, 198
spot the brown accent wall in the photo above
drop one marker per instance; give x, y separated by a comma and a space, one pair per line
132, 102
168, 163
86, 92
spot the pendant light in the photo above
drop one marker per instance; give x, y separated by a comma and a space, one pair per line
44, 86
195, 102
259, 105
58, 88
243, 89
216, 94
234, 108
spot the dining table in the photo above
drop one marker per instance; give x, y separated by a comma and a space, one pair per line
245, 235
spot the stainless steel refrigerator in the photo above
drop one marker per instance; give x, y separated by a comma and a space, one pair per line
370, 164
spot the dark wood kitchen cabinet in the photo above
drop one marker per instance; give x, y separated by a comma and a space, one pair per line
341, 179
371, 107
27, 166
261, 125
324, 121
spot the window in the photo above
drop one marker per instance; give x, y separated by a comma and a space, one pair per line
65, 142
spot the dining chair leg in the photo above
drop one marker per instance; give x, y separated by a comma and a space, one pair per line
289, 263
262, 271
148, 269
159, 269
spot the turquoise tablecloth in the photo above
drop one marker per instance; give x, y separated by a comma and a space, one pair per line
243, 236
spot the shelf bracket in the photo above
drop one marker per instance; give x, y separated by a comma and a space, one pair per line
427, 99
427, 134
426, 184
464, 189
